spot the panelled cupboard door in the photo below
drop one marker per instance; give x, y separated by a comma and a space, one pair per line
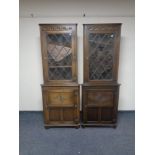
101, 52
59, 55
61, 105
100, 104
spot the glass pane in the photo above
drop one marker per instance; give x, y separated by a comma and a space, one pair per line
60, 73
59, 52
101, 48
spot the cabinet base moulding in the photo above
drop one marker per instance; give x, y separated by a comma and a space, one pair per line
99, 125
47, 126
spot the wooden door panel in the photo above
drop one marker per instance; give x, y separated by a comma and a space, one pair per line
92, 114
61, 98
100, 104
100, 98
99, 114
62, 114
54, 98
106, 114
54, 114
61, 105
68, 114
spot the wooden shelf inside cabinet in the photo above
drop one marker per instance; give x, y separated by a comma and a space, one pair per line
58, 46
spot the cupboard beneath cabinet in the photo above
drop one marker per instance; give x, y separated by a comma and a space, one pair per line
61, 105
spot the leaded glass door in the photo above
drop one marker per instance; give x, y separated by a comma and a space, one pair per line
101, 52
59, 57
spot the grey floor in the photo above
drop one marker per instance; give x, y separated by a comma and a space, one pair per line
35, 140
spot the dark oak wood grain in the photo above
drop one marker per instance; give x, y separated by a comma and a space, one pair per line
100, 104
100, 91
60, 90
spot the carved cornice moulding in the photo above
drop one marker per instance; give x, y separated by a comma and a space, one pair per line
56, 28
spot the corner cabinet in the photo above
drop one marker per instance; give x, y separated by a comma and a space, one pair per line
60, 90
100, 90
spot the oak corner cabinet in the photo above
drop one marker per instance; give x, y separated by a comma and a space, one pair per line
60, 90
100, 90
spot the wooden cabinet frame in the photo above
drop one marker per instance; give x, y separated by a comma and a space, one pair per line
60, 90
100, 90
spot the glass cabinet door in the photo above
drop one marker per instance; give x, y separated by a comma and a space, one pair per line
59, 52
101, 52
101, 49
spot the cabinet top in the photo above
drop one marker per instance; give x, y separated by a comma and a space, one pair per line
48, 24
104, 24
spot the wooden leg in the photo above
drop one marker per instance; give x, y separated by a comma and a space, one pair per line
83, 126
114, 126
46, 127
77, 127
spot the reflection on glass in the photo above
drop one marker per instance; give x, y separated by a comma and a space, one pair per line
59, 52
